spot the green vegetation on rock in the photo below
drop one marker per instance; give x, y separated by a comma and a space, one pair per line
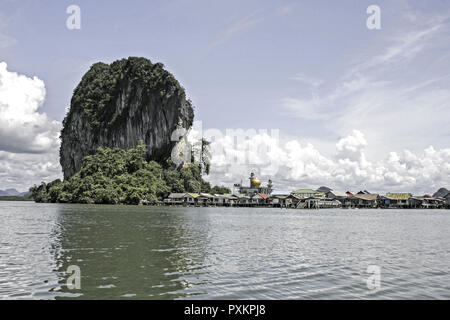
121, 116
15, 198
116, 176
119, 104
99, 87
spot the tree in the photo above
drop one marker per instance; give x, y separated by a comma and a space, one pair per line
113, 176
220, 190
205, 159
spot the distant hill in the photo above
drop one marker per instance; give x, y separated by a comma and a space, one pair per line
14, 198
442, 192
324, 189
12, 193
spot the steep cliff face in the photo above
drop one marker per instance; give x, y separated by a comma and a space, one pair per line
119, 105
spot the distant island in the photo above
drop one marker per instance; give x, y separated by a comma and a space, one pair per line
116, 176
14, 195
121, 104
117, 147
116, 140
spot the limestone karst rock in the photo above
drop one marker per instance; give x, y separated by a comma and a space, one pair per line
120, 104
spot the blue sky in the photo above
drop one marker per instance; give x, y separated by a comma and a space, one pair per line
311, 69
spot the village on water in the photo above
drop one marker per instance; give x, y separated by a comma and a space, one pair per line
256, 195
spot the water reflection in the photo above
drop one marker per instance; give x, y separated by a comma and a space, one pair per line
26, 263
221, 253
137, 252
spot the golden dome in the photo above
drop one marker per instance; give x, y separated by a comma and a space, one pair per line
255, 182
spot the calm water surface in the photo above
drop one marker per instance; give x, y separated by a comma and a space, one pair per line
221, 253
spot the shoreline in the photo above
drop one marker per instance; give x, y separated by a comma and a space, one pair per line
219, 206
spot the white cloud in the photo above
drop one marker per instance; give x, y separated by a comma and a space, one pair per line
285, 10
309, 109
22, 127
237, 27
294, 165
351, 147
398, 106
6, 41
311, 81
21, 171
403, 48
29, 139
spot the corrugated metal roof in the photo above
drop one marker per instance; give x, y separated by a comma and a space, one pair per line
342, 194
176, 195
368, 197
399, 196
305, 191
279, 196
193, 195
229, 196
207, 195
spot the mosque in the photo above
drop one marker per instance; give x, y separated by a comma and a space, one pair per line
255, 186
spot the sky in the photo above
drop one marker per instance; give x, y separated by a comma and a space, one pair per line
322, 99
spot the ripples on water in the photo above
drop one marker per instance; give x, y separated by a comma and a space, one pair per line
221, 253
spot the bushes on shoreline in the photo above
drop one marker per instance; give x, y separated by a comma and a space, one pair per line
113, 176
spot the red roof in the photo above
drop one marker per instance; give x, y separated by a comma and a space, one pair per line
263, 195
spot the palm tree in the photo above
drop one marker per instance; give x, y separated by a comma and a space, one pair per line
205, 155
